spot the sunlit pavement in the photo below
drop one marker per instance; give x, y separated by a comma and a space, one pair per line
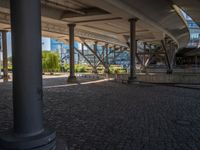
98, 114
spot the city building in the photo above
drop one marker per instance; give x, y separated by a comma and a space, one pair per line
194, 31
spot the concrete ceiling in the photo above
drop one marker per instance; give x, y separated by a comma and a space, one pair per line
107, 20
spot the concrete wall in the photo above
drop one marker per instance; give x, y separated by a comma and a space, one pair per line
174, 78
164, 78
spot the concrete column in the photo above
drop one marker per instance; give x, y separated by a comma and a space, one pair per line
72, 77
5, 56
82, 45
83, 52
114, 55
95, 61
1, 58
29, 132
167, 47
133, 47
107, 63
196, 61
107, 54
145, 49
78, 58
95, 50
150, 47
103, 53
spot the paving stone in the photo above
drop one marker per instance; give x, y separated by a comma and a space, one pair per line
114, 116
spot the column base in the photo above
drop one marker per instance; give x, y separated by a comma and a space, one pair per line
170, 71
44, 141
72, 79
133, 80
6, 78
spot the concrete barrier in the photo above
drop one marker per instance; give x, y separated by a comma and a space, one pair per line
173, 78
164, 78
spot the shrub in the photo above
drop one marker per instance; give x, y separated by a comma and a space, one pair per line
116, 69
79, 68
50, 61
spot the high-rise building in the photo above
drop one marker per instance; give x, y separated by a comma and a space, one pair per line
194, 31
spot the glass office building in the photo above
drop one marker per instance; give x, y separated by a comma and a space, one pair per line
194, 31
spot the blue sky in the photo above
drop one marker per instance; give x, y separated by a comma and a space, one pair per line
9, 44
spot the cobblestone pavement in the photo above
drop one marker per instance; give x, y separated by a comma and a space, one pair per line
114, 116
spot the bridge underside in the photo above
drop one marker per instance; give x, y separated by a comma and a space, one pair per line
106, 22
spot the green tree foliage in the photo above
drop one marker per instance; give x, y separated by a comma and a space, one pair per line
117, 69
50, 61
80, 68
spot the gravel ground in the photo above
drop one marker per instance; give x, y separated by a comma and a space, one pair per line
114, 116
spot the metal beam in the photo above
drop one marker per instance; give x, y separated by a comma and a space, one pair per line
169, 71
106, 57
95, 54
82, 54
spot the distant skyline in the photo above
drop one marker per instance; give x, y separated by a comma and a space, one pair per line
46, 44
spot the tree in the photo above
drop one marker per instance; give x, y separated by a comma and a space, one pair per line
50, 61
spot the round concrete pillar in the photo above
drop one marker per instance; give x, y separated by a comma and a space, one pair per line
29, 132
106, 61
5, 56
72, 77
133, 47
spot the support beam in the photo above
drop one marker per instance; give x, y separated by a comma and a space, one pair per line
133, 47
104, 57
148, 61
78, 58
170, 70
103, 54
172, 55
5, 57
107, 61
145, 49
114, 55
83, 50
196, 61
72, 77
139, 60
84, 57
29, 132
94, 54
